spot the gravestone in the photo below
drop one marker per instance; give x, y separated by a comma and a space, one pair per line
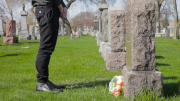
95, 27
171, 28
18, 29
24, 33
2, 32
102, 6
85, 31
140, 71
80, 32
116, 58
10, 32
167, 33
62, 30
158, 34
32, 32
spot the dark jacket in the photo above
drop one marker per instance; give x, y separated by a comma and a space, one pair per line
46, 2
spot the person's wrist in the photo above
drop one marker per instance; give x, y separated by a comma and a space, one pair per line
60, 8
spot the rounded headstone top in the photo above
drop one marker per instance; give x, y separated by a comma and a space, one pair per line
103, 2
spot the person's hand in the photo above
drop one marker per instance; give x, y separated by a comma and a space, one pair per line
60, 10
64, 14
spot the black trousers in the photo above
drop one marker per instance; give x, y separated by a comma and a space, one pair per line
48, 20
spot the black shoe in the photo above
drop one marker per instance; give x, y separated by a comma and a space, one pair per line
46, 87
56, 86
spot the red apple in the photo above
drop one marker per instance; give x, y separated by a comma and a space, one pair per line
117, 93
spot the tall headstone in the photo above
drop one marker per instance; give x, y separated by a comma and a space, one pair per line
102, 6
62, 30
2, 32
116, 58
167, 33
10, 32
171, 28
65, 31
85, 30
80, 32
95, 26
18, 29
140, 71
158, 34
32, 32
24, 33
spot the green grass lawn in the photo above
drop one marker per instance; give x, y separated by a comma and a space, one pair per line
78, 65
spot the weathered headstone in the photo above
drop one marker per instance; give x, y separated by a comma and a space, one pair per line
158, 34
18, 29
140, 71
80, 32
10, 32
24, 33
95, 27
167, 33
116, 58
171, 28
62, 30
102, 6
32, 32
65, 31
2, 32
85, 30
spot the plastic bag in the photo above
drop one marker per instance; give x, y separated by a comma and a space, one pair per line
116, 86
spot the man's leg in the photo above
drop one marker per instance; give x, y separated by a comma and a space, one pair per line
48, 19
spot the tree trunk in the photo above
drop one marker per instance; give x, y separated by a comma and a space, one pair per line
176, 28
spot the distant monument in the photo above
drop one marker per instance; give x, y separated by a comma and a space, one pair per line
24, 33
2, 32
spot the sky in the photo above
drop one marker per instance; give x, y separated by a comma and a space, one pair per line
78, 7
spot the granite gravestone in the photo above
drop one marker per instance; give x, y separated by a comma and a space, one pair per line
158, 34
10, 32
85, 32
171, 28
140, 71
2, 32
102, 6
95, 27
32, 32
167, 33
24, 33
116, 58
18, 29
80, 32
62, 30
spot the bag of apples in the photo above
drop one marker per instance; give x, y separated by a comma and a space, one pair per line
116, 86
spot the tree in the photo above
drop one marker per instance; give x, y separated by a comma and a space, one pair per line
165, 22
177, 21
9, 7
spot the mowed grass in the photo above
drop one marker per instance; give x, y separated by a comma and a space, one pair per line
78, 65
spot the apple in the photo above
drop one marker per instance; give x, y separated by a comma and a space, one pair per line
117, 93
119, 82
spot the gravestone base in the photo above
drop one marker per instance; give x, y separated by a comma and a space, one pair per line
134, 81
38, 37
104, 50
24, 37
115, 61
158, 35
101, 45
10, 40
2, 33
33, 37
99, 38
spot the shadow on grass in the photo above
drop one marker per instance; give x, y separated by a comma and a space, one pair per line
171, 77
159, 57
89, 84
10, 55
171, 89
162, 64
20, 43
